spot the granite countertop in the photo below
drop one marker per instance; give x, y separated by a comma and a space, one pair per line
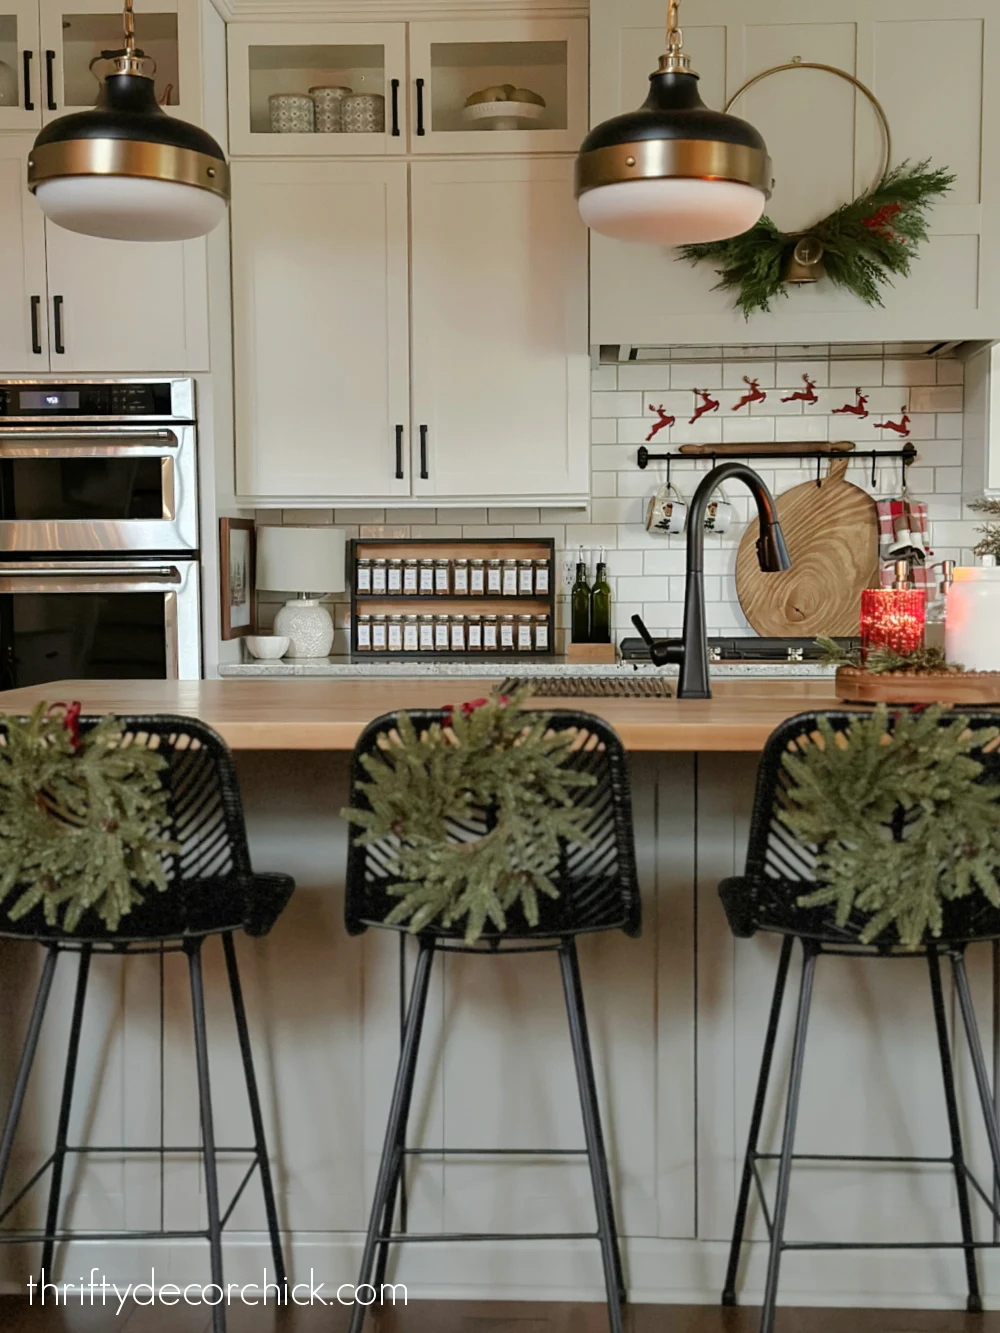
500, 668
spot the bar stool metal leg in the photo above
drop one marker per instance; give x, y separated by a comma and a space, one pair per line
810, 954
756, 1120
389, 1167
253, 1097
193, 950
596, 1154
974, 1304
978, 1062
65, 1107
28, 1053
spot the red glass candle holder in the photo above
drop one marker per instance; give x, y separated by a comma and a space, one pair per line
892, 618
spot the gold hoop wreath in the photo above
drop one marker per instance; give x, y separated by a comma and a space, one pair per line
861, 246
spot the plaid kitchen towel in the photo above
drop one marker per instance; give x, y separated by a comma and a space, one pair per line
904, 535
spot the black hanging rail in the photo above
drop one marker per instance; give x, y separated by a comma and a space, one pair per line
907, 454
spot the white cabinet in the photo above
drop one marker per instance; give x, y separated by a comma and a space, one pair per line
19, 54
324, 332
825, 143
500, 350
80, 305
321, 316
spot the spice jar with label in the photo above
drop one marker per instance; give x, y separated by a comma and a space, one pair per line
442, 634
395, 579
458, 634
460, 578
474, 633
541, 578
426, 634
411, 578
363, 576
510, 578
411, 634
541, 634
379, 634
477, 577
380, 577
507, 634
426, 578
491, 634
494, 578
442, 577
525, 578
525, 636
364, 633
395, 634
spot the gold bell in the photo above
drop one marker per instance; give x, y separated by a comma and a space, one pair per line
805, 263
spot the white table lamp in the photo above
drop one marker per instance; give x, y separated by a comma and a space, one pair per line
310, 563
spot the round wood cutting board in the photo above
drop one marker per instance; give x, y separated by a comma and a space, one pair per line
831, 532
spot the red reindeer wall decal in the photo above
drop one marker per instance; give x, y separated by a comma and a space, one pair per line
900, 427
707, 404
806, 395
856, 409
756, 394
663, 424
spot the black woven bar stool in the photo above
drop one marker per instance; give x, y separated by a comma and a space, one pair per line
779, 868
598, 892
212, 890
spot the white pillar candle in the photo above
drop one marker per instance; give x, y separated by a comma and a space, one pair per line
972, 619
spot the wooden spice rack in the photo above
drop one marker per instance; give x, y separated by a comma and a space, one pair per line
458, 548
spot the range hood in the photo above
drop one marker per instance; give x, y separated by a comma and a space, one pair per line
615, 354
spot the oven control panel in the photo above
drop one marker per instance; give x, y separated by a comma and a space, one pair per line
95, 401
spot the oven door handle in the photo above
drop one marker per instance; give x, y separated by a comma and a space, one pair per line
60, 576
41, 437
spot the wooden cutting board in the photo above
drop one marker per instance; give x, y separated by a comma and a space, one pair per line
831, 531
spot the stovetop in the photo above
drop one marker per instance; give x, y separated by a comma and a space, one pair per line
745, 650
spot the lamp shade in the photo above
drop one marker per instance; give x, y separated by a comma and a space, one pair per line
300, 560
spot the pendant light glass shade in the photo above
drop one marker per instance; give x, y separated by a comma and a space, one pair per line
126, 170
673, 172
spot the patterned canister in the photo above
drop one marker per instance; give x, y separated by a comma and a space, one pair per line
363, 113
329, 117
292, 113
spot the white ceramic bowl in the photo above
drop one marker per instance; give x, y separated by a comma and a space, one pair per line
268, 647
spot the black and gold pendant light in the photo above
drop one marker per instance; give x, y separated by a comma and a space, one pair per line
125, 169
673, 172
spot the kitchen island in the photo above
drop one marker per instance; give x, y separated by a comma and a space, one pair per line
677, 1020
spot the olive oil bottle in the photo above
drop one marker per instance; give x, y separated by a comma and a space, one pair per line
580, 604
600, 606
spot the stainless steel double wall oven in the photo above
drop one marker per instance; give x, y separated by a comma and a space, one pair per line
99, 541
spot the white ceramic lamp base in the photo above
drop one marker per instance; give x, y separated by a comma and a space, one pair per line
307, 625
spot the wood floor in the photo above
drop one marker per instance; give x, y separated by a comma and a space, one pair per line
454, 1317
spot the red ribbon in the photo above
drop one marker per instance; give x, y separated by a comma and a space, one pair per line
71, 720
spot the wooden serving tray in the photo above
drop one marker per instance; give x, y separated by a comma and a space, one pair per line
857, 686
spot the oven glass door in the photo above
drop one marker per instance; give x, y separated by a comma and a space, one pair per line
68, 620
93, 489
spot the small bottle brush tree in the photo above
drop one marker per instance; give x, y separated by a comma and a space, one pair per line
989, 542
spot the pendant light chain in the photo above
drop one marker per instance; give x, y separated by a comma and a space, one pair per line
128, 19
675, 38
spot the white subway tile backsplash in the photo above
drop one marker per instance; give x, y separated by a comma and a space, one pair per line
605, 377
950, 371
639, 376
747, 430
735, 375
921, 371
616, 404
936, 398
604, 430
848, 374
603, 485
693, 375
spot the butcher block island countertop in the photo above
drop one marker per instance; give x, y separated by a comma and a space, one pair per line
317, 714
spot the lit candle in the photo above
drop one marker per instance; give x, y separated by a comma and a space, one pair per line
892, 618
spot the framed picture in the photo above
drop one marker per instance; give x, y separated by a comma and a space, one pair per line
237, 551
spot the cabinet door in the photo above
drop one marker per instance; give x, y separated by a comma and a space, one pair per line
23, 339
271, 61
121, 307
825, 143
20, 83
320, 309
500, 348
74, 33
451, 62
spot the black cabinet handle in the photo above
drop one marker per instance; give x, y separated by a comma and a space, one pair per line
395, 108
424, 474
36, 341
57, 328
50, 83
420, 108
28, 103
399, 453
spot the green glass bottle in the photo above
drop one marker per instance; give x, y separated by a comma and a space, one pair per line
580, 605
600, 607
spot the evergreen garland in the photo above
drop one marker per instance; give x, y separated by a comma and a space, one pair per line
899, 818
491, 758
865, 243
883, 659
83, 818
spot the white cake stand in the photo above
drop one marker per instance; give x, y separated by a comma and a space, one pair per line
504, 115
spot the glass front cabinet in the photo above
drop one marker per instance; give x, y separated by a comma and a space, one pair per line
336, 89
